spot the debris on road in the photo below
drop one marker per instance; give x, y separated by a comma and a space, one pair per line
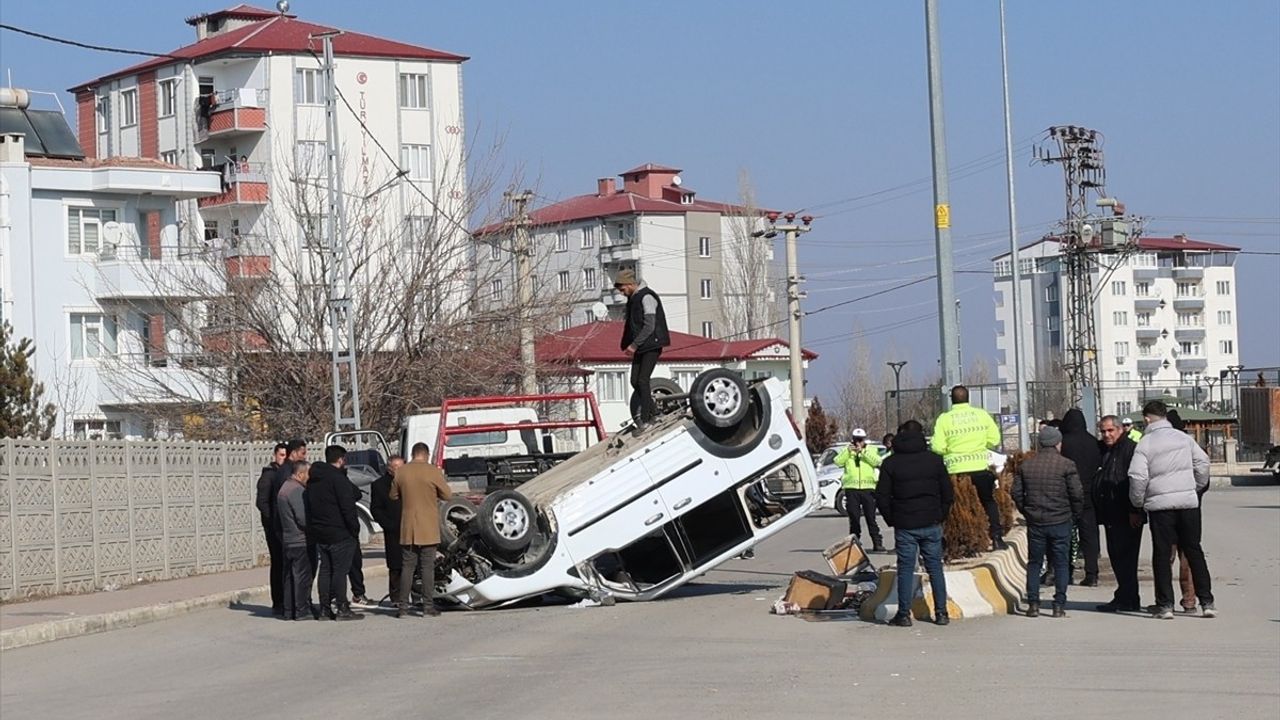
817, 596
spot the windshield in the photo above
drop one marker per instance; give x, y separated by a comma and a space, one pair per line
828, 457
497, 437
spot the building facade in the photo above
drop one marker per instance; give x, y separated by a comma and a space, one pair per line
1165, 317
715, 279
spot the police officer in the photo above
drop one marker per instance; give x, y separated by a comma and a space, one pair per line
859, 483
1134, 433
963, 436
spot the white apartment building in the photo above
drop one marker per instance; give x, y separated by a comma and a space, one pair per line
1166, 318
714, 279
80, 239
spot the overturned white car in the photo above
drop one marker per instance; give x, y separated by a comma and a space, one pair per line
635, 517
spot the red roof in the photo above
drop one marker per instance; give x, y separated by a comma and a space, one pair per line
241, 11
1180, 242
651, 167
281, 34
598, 343
584, 207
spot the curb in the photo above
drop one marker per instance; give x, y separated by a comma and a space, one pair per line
39, 633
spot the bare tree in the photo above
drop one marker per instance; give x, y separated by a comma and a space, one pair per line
748, 268
860, 395
978, 371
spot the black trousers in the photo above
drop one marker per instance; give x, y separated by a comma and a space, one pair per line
985, 483
1180, 528
394, 560
276, 552
335, 563
356, 574
1124, 544
297, 582
417, 558
643, 407
1090, 544
862, 504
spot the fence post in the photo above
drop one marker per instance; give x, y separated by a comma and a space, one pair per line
11, 456
226, 512
93, 512
133, 543
57, 549
195, 498
164, 506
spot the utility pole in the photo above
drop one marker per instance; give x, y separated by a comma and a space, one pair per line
1019, 352
520, 223
897, 390
949, 333
792, 232
346, 381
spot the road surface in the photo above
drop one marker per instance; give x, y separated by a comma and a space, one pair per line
713, 651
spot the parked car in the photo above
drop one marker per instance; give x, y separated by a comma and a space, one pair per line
722, 469
829, 475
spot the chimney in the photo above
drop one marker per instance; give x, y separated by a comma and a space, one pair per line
13, 148
605, 187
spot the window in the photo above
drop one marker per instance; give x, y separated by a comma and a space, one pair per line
562, 240
1144, 349
308, 87
1188, 290
1188, 378
494, 251
1124, 407
562, 278
684, 378
1123, 377
168, 97
1144, 319
207, 156
1052, 323
413, 91
1142, 289
84, 229
612, 386
495, 286
314, 228
566, 322
417, 160
97, 429
1051, 293
103, 113
591, 316
1003, 267
417, 229
311, 159
1191, 349
708, 329
1147, 377
169, 157
1224, 287
1190, 320
1119, 318
1026, 265
589, 237
1047, 265
704, 247
1122, 349
1117, 287
1227, 347
589, 278
1224, 317
704, 287
92, 336
128, 107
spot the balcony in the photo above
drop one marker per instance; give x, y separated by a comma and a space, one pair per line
1193, 301
132, 379
124, 273
619, 254
1188, 333
1148, 332
242, 111
243, 184
1188, 273
1149, 364
1191, 363
1148, 303
247, 257
229, 339
1146, 272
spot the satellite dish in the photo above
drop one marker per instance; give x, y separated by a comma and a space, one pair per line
283, 6
676, 181
111, 232
599, 310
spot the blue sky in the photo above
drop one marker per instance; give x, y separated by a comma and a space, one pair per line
823, 101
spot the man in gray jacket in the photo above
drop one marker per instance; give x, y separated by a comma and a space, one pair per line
1167, 470
1047, 491
291, 518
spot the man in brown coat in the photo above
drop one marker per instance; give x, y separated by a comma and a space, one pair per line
419, 486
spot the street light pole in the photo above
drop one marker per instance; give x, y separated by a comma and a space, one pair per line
1235, 371
897, 389
950, 335
1019, 352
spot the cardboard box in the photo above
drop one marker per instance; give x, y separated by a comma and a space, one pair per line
845, 557
815, 591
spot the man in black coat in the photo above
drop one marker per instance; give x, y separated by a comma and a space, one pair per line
1081, 447
265, 501
333, 525
1117, 514
644, 335
386, 512
914, 494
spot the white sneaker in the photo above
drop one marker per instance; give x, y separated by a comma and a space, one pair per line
1208, 610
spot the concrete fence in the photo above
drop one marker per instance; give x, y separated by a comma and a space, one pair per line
77, 516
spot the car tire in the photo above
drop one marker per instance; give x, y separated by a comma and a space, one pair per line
838, 505
506, 521
453, 515
662, 387
719, 398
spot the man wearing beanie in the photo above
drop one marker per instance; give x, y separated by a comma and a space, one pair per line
644, 334
1047, 491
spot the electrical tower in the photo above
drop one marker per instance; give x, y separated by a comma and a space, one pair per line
1084, 240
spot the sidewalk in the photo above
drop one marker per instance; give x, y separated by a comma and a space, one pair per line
54, 618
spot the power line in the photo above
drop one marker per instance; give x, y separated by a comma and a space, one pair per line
86, 46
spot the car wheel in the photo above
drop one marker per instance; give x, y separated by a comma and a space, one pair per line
454, 514
506, 521
719, 398
838, 505
662, 387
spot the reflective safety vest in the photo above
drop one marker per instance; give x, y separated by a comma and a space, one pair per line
963, 437
859, 467
1135, 434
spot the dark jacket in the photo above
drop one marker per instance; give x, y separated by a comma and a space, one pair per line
659, 338
266, 500
1081, 447
1111, 486
385, 511
330, 506
914, 490
1046, 488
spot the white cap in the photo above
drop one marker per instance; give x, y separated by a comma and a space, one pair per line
859, 433
1126, 421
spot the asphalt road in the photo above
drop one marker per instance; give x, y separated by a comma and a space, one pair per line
713, 651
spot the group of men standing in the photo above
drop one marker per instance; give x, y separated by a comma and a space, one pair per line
1120, 484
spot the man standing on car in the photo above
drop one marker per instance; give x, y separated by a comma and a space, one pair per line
419, 486
1046, 489
1117, 514
386, 512
915, 494
859, 483
266, 503
644, 335
1167, 471
963, 436
334, 528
